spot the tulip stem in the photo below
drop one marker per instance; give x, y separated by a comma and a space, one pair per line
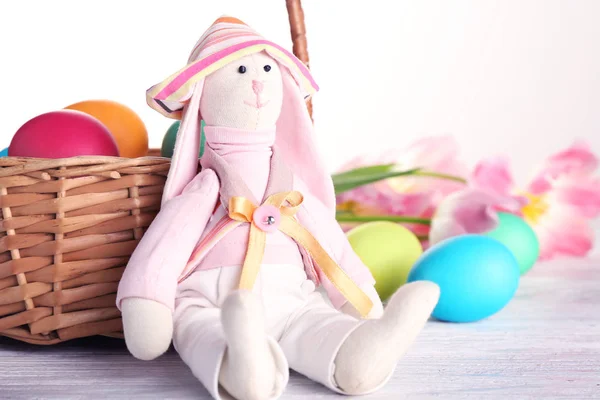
346, 217
440, 175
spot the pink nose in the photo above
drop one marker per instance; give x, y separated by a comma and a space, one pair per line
257, 86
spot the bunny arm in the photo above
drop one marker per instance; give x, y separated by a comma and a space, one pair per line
163, 252
319, 221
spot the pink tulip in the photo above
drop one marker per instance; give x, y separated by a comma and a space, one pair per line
576, 161
561, 199
472, 211
415, 196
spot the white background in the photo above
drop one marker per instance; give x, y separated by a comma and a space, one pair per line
517, 77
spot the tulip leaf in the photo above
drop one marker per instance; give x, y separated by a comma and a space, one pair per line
352, 179
367, 170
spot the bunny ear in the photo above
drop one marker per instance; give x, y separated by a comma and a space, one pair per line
295, 141
184, 163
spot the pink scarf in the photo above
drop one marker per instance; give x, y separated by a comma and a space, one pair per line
247, 152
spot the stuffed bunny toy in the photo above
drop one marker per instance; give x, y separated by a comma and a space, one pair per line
245, 269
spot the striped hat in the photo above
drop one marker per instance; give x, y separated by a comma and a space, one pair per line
227, 40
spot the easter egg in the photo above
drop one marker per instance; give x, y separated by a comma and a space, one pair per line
519, 237
477, 276
389, 250
61, 134
168, 143
4, 153
124, 124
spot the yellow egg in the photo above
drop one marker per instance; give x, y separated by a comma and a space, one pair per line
389, 250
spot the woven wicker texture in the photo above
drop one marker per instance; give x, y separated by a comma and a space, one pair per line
298, 33
68, 228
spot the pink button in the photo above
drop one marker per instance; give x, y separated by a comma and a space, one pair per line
267, 218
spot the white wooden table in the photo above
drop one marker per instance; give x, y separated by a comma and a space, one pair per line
545, 344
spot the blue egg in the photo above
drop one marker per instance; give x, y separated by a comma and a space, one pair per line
477, 276
4, 153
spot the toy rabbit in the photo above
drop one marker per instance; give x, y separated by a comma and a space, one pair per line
231, 269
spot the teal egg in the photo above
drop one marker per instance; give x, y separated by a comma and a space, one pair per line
168, 143
519, 237
4, 153
477, 275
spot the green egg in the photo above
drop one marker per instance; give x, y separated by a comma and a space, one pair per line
168, 143
389, 250
519, 237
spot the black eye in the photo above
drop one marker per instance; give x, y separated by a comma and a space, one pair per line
267, 68
242, 69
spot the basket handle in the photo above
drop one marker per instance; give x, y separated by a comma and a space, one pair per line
298, 32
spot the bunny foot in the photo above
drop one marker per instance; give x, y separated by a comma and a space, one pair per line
254, 366
369, 355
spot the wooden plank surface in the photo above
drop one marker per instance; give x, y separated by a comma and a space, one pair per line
544, 345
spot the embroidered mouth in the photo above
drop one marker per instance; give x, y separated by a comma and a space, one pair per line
257, 104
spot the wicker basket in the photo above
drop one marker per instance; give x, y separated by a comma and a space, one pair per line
68, 228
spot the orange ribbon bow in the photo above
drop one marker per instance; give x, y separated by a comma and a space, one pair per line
278, 212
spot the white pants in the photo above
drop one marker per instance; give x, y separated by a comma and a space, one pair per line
304, 330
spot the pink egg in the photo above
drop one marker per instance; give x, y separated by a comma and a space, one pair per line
62, 134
